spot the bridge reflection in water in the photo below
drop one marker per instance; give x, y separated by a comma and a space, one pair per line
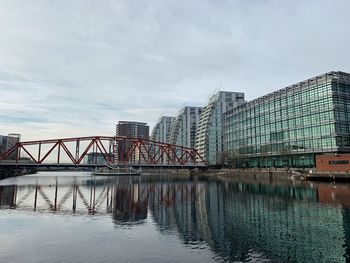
238, 220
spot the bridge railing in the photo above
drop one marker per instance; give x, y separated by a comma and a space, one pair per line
103, 149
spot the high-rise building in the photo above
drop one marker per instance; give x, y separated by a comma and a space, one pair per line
3, 144
161, 131
210, 133
130, 129
7, 142
291, 126
96, 158
183, 130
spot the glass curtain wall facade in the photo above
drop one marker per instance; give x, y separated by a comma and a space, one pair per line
287, 128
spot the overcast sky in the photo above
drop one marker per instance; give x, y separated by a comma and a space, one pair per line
71, 68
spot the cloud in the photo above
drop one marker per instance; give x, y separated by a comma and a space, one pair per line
80, 66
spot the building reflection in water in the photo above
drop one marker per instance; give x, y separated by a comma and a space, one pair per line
242, 221
130, 199
238, 220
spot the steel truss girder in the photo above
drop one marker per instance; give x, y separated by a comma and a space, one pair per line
134, 151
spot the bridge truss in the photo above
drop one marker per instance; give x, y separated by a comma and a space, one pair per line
116, 150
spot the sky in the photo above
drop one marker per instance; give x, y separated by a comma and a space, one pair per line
76, 68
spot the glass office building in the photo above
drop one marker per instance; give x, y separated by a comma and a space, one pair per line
289, 127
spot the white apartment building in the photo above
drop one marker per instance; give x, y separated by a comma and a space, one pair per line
183, 130
161, 131
209, 140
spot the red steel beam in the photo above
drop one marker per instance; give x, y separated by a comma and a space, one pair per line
174, 153
48, 153
31, 156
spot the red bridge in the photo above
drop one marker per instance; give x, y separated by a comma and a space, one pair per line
100, 151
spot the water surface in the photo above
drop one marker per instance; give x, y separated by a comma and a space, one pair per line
75, 217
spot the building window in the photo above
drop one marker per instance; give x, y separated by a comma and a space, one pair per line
335, 162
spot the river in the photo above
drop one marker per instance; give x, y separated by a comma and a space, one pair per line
76, 217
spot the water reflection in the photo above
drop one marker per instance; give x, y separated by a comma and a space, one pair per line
239, 220
124, 198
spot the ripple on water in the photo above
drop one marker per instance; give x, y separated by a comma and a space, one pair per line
87, 219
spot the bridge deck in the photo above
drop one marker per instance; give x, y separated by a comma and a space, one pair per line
70, 165
128, 152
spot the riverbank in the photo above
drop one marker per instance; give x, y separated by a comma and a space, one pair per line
282, 174
258, 173
5, 173
264, 174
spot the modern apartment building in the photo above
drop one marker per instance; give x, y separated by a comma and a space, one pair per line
291, 126
7, 142
183, 130
210, 133
161, 131
131, 129
95, 158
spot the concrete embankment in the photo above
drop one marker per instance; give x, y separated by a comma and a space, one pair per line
7, 173
262, 172
146, 171
258, 173
329, 176
281, 174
